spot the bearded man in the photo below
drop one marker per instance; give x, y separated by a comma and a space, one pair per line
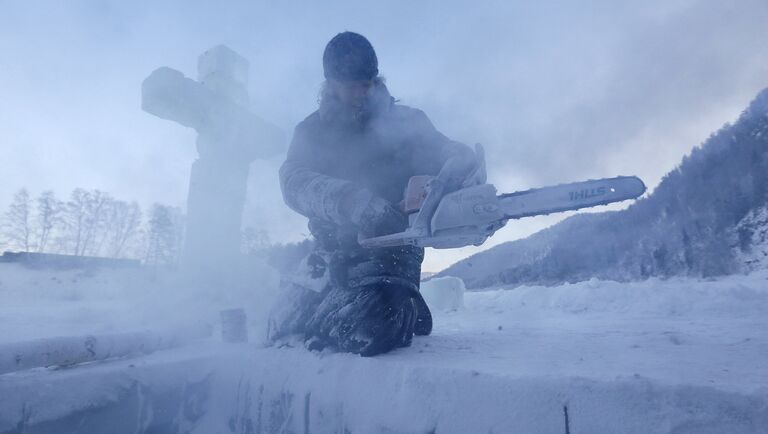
346, 170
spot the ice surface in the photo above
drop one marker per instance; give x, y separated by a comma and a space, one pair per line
221, 60
242, 389
68, 351
681, 355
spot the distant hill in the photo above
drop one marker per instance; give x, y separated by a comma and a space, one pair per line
709, 216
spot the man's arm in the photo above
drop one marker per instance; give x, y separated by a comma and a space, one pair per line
319, 196
306, 190
436, 152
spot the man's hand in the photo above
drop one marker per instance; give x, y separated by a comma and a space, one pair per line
457, 169
374, 215
381, 218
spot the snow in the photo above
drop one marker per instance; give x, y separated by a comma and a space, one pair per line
44, 303
74, 350
678, 355
680, 331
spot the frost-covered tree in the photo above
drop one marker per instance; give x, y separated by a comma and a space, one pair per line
90, 223
17, 225
95, 222
48, 218
165, 230
253, 240
85, 221
123, 226
74, 218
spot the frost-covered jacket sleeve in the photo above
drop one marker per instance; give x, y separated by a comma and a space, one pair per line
308, 191
435, 150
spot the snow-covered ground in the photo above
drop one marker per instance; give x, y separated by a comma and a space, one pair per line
681, 355
680, 331
45, 303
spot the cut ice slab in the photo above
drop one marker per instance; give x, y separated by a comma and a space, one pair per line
443, 293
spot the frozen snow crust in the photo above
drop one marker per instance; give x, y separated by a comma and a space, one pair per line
676, 356
220, 389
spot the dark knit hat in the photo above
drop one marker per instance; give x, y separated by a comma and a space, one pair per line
348, 57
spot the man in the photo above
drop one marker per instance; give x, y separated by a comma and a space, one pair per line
346, 170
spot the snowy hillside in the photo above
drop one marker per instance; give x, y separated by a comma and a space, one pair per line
706, 218
658, 356
750, 238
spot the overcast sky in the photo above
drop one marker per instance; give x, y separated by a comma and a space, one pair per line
556, 92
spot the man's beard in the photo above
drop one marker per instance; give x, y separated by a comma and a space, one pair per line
333, 109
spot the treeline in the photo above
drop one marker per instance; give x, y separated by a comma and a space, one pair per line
92, 223
695, 223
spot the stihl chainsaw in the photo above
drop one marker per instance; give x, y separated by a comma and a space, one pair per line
443, 217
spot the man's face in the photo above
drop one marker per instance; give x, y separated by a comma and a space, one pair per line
351, 93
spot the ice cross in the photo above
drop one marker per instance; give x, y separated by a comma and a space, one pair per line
229, 138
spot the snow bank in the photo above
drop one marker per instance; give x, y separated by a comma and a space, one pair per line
243, 389
731, 296
681, 355
72, 350
39, 304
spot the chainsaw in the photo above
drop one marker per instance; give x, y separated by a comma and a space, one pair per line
443, 216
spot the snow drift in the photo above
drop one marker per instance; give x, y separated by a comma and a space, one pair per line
659, 356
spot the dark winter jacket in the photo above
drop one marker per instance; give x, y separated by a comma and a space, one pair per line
335, 152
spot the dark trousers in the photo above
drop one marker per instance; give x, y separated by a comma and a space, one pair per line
363, 301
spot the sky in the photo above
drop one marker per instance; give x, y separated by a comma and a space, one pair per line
556, 92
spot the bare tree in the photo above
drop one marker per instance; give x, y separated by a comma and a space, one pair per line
164, 235
48, 217
17, 225
123, 225
94, 223
74, 214
136, 246
84, 216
